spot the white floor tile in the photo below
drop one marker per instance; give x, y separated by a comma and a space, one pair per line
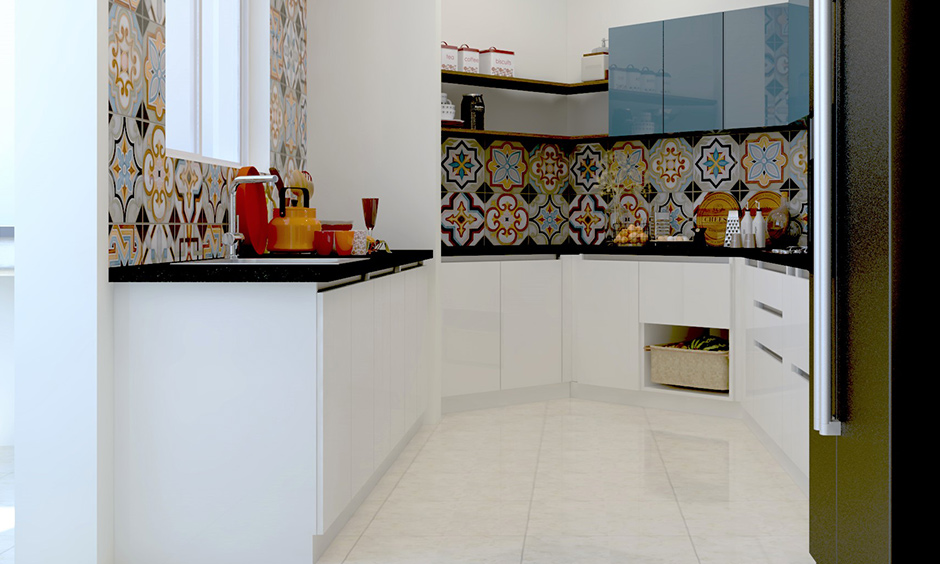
581, 482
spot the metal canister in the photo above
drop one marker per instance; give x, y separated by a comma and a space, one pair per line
472, 110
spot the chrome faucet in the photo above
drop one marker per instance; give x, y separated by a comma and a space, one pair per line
234, 234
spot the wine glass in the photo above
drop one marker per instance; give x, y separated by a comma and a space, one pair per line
370, 209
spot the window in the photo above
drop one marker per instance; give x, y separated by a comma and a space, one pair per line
206, 69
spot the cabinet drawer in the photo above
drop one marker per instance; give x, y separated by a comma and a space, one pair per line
686, 293
767, 286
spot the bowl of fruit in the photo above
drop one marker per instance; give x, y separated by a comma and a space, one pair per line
632, 236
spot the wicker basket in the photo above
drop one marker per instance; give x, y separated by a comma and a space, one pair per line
706, 370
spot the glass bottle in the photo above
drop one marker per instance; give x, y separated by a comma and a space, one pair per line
778, 221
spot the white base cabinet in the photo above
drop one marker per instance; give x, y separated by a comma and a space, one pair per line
502, 325
776, 304
372, 380
605, 332
530, 328
242, 434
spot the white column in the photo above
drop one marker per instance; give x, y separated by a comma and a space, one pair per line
63, 333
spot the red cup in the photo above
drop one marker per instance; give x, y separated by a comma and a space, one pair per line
323, 242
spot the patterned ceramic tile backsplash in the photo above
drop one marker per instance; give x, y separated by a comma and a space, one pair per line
534, 191
164, 209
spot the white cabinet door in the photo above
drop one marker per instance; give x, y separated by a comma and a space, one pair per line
707, 295
530, 332
362, 361
693, 294
382, 418
334, 488
606, 341
411, 348
662, 285
798, 344
416, 309
397, 340
470, 306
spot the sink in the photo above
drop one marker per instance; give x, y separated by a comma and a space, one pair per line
275, 261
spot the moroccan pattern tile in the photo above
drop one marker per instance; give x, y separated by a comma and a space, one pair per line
548, 220
124, 170
163, 209
670, 164
462, 219
716, 162
548, 168
764, 160
507, 219
587, 165
155, 72
587, 219
669, 176
288, 84
462, 164
627, 164
125, 61
158, 176
507, 163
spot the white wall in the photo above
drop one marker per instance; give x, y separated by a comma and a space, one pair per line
64, 492
536, 31
373, 126
6, 361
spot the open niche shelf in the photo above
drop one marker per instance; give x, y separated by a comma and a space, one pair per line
655, 334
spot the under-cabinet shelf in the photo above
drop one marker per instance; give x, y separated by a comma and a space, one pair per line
522, 84
454, 131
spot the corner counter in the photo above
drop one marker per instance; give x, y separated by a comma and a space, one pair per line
197, 271
677, 250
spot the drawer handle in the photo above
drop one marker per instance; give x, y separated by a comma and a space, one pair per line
797, 370
775, 356
768, 309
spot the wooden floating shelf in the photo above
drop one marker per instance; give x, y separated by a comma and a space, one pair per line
523, 84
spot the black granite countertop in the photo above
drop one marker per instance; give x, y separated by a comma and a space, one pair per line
682, 249
193, 272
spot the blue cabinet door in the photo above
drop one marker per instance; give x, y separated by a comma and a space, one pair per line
799, 61
693, 65
766, 65
635, 89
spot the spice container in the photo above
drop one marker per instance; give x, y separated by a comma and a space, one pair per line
448, 57
468, 59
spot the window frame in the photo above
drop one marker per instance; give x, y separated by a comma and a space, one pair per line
244, 51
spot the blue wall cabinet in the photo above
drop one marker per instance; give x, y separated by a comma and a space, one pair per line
739, 69
692, 63
766, 77
635, 81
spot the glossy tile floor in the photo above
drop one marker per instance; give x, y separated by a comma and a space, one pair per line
6, 505
581, 482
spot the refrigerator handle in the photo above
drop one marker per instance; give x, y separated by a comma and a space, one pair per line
823, 287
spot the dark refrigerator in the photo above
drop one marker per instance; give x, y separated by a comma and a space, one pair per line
872, 109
